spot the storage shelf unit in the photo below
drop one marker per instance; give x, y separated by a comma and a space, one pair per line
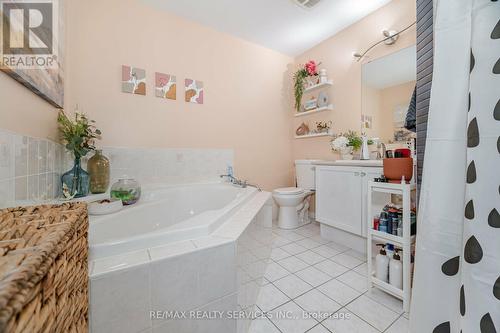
315, 135
305, 113
405, 242
318, 86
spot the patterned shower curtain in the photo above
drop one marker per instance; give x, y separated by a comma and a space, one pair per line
457, 269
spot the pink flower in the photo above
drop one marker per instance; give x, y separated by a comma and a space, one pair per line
311, 68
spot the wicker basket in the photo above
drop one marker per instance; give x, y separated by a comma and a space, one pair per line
43, 268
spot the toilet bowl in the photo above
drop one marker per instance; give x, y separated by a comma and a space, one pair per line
293, 205
293, 202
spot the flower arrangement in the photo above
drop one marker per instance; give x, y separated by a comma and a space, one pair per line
339, 143
348, 139
311, 68
299, 79
78, 135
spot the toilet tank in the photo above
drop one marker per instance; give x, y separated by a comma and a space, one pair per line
304, 173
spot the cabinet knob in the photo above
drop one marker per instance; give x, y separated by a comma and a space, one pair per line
356, 173
363, 174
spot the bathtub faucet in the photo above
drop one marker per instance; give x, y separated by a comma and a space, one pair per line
241, 183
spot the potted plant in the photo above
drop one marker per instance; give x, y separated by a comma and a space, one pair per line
309, 70
347, 143
78, 136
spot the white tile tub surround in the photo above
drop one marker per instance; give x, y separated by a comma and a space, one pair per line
168, 165
203, 274
30, 169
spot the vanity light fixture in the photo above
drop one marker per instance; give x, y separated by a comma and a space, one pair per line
390, 38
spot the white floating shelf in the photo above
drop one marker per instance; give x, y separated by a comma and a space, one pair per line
318, 86
305, 113
316, 135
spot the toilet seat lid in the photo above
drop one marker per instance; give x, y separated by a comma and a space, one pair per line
289, 190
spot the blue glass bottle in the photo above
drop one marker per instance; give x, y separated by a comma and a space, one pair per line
77, 180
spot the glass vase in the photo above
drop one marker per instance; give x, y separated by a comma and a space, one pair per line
98, 168
76, 180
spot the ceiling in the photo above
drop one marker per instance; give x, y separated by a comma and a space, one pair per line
394, 69
277, 24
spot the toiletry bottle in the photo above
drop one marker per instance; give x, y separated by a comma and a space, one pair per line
394, 225
400, 227
230, 171
382, 264
389, 248
376, 222
365, 153
396, 270
382, 224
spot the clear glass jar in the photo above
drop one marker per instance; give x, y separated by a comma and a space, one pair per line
98, 168
127, 190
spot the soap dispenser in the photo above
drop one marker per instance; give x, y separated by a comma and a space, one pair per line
365, 153
382, 264
396, 270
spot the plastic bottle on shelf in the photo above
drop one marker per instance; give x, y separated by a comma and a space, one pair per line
382, 264
396, 270
400, 227
383, 222
376, 222
389, 248
394, 225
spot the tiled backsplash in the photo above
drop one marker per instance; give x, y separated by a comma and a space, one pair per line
31, 168
168, 165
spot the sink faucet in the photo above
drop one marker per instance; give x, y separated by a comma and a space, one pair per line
241, 183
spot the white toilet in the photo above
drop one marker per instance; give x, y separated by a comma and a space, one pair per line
293, 202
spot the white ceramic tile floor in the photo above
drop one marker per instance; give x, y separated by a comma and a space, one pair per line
293, 264
309, 274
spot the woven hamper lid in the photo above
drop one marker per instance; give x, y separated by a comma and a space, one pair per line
30, 239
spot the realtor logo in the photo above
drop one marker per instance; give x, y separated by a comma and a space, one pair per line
28, 34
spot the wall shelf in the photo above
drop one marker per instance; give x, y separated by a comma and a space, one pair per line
305, 113
315, 135
318, 86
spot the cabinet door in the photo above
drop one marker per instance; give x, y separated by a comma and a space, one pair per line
338, 198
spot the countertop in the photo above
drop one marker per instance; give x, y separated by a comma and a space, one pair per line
358, 163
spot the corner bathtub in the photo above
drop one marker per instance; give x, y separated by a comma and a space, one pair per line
164, 215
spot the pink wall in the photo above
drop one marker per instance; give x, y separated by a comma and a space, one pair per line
246, 107
336, 55
23, 112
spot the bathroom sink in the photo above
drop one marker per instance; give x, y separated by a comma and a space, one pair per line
365, 163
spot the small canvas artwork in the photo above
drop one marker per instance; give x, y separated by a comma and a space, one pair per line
194, 91
133, 80
165, 86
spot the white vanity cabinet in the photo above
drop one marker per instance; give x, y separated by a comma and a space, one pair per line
341, 195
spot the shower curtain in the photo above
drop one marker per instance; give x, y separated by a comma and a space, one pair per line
457, 269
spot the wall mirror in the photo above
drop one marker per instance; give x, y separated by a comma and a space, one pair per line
387, 88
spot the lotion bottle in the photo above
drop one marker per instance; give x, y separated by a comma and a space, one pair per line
382, 264
396, 270
365, 153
